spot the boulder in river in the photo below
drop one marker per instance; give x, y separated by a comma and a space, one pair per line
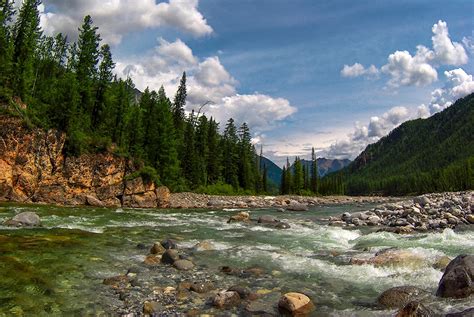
458, 278
241, 216
169, 244
93, 201
157, 248
226, 299
415, 309
465, 313
398, 297
201, 287
266, 219
203, 246
183, 265
391, 257
27, 219
170, 256
296, 304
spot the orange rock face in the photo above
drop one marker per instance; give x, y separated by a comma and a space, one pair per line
33, 168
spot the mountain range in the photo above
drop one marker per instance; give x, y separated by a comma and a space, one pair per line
325, 166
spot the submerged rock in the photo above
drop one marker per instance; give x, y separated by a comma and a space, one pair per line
465, 313
27, 218
226, 299
297, 207
397, 297
151, 308
183, 265
170, 256
391, 257
203, 246
296, 304
415, 309
458, 278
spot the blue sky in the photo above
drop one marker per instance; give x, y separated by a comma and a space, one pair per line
277, 64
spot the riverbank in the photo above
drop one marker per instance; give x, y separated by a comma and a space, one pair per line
290, 202
422, 213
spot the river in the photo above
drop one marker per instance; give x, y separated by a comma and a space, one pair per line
58, 269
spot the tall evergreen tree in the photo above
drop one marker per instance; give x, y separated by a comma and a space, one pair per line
214, 169
105, 77
180, 103
314, 172
26, 34
168, 162
297, 176
246, 177
6, 42
230, 162
86, 68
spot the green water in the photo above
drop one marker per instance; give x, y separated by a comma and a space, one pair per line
57, 270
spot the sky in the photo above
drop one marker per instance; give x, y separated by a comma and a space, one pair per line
334, 75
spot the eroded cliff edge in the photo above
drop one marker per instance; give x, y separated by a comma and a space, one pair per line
33, 168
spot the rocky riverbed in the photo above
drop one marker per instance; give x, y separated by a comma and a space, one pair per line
422, 213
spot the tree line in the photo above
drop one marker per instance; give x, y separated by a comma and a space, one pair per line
71, 87
299, 178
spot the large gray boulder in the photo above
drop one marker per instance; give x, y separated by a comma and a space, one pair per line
27, 219
458, 278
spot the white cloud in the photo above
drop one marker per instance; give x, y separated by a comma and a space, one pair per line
468, 42
446, 51
458, 85
207, 80
405, 69
357, 70
116, 18
261, 112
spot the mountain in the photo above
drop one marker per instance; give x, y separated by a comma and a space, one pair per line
325, 166
422, 155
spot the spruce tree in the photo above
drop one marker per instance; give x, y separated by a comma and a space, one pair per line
6, 41
168, 162
246, 175
86, 68
297, 176
214, 168
314, 172
26, 34
105, 77
230, 158
179, 104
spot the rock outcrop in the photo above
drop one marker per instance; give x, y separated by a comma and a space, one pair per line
33, 168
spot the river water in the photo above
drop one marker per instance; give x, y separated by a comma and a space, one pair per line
57, 270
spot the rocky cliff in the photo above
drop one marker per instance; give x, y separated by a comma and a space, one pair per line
33, 168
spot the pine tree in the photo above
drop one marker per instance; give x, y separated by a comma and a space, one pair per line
168, 162
314, 172
264, 179
230, 162
202, 148
105, 77
6, 41
26, 35
214, 158
179, 104
297, 176
246, 177
86, 68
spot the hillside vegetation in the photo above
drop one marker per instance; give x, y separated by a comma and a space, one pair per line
423, 155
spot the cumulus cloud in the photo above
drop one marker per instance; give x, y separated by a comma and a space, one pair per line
115, 18
405, 69
446, 51
357, 70
458, 85
207, 80
258, 110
